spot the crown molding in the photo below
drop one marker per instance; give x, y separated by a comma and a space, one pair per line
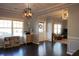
52, 9
8, 10
41, 12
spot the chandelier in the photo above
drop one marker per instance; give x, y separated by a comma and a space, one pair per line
64, 14
27, 12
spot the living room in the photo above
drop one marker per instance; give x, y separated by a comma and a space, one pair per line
38, 29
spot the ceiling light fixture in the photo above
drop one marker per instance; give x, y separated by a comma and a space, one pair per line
65, 14
27, 12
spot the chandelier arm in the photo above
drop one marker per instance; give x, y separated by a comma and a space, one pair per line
28, 6
27, 12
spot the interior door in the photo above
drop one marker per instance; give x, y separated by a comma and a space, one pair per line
42, 31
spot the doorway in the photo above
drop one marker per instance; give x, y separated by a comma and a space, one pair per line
42, 31
60, 32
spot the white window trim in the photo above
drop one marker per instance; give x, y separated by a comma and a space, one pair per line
12, 27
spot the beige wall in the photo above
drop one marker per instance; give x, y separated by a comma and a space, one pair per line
73, 29
65, 23
36, 32
49, 28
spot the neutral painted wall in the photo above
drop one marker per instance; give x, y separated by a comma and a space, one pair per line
35, 31
49, 28
73, 29
65, 23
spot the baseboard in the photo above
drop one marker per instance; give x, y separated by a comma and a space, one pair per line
45, 41
70, 52
73, 42
35, 43
1, 46
29, 43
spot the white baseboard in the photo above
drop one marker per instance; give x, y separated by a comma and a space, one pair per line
35, 43
73, 46
70, 52
1, 46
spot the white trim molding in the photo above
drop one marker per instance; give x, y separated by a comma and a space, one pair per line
35, 43
52, 9
70, 52
73, 37
73, 44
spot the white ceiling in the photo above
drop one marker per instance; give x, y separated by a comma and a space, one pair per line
16, 9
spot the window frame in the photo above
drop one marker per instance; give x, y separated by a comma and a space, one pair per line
11, 27
57, 30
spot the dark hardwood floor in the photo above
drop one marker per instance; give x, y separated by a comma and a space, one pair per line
43, 49
76, 53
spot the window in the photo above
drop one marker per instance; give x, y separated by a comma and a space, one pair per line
17, 28
41, 29
9, 28
5, 28
57, 28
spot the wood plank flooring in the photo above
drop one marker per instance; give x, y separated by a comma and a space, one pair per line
43, 49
